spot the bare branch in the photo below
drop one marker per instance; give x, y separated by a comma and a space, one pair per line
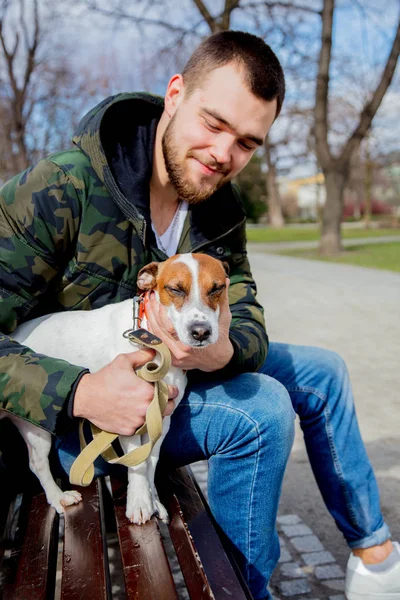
10, 57
222, 21
137, 20
31, 47
372, 106
321, 97
230, 6
209, 19
22, 23
286, 5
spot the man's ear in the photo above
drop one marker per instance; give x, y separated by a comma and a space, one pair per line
226, 267
173, 95
147, 277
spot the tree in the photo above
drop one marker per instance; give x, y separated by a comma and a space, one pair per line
275, 216
192, 29
253, 189
336, 167
291, 28
42, 95
16, 104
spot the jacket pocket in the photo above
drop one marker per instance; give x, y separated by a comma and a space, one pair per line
82, 290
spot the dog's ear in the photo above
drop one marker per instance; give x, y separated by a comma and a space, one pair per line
226, 267
147, 278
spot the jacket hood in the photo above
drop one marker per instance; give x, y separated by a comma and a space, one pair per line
96, 124
118, 137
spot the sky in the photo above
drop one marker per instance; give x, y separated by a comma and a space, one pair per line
364, 38
362, 35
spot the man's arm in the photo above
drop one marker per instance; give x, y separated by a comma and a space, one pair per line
39, 214
39, 219
247, 332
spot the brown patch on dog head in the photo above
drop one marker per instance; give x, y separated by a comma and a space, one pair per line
174, 282
212, 279
147, 277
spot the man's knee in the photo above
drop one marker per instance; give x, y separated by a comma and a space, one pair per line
331, 362
328, 384
332, 370
274, 398
269, 409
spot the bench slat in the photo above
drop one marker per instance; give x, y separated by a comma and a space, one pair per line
5, 504
30, 572
36, 559
85, 560
218, 579
195, 579
146, 569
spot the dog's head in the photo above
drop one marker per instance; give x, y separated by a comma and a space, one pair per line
190, 287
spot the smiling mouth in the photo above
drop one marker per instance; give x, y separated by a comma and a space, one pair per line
209, 170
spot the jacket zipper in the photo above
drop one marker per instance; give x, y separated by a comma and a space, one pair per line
194, 247
220, 236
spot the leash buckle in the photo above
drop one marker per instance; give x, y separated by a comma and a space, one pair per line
138, 334
142, 336
137, 311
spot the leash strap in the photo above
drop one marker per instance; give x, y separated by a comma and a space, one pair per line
82, 470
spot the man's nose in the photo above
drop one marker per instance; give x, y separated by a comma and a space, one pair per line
221, 151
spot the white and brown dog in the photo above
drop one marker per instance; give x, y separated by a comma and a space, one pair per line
190, 287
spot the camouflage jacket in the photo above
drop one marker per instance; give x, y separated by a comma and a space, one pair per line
74, 236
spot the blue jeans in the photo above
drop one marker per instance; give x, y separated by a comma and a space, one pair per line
244, 428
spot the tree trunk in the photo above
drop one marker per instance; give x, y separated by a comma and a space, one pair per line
335, 182
336, 169
368, 186
275, 217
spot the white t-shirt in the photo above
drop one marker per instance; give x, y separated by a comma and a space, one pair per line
169, 240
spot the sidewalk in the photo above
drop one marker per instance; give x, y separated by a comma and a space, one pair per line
356, 312
347, 243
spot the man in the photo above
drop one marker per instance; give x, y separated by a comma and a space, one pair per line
145, 180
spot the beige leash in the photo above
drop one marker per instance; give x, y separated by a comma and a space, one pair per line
82, 470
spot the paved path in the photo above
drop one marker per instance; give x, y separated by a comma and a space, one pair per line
299, 245
356, 312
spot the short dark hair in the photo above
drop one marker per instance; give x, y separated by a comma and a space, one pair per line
262, 70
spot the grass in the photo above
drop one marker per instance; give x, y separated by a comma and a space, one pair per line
309, 234
377, 256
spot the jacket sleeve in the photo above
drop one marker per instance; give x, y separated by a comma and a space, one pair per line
247, 332
39, 216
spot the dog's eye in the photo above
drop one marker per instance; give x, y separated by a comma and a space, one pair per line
216, 290
175, 291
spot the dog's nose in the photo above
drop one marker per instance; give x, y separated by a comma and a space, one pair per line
200, 332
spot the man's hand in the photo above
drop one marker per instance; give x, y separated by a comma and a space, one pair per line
210, 358
115, 398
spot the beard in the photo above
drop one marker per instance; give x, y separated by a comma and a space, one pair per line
188, 190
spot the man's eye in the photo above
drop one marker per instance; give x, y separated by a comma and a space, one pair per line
175, 291
246, 146
212, 127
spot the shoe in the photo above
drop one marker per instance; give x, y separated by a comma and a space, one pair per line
363, 584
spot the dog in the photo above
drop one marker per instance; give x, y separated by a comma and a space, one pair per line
190, 287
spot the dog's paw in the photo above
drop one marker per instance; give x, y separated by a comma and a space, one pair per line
161, 512
139, 509
70, 497
65, 499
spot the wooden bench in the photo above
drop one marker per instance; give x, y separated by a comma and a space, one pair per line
28, 561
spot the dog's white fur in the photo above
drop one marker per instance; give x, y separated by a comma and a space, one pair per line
92, 339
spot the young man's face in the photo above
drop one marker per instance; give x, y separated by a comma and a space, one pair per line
213, 133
